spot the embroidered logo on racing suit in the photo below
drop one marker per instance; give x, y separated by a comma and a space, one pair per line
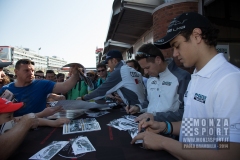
154, 82
200, 98
134, 74
166, 83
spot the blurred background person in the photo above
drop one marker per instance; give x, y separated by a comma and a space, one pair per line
39, 75
4, 79
80, 89
93, 77
60, 77
50, 75
102, 74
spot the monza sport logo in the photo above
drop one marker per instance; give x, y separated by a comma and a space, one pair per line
205, 132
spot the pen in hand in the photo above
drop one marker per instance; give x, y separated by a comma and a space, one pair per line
129, 103
143, 129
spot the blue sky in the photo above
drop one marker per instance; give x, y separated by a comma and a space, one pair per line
69, 29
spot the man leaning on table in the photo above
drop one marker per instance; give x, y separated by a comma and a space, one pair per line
212, 95
125, 80
19, 126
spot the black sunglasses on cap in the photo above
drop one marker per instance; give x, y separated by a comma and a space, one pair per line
142, 54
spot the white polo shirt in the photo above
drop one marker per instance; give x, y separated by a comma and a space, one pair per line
212, 93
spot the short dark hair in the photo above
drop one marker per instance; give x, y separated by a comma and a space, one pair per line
39, 71
135, 63
209, 35
60, 74
23, 61
49, 71
151, 50
101, 65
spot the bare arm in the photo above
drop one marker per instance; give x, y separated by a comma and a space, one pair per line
158, 142
176, 127
157, 127
176, 149
49, 111
53, 123
64, 87
12, 138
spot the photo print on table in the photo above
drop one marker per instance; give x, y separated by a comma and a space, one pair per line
49, 151
81, 125
133, 132
82, 145
67, 151
122, 124
130, 117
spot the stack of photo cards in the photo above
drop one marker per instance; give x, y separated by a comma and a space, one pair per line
76, 148
96, 113
49, 151
81, 125
70, 114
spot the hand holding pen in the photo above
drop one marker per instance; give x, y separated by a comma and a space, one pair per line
129, 106
131, 109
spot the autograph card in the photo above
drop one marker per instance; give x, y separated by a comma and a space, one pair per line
82, 145
49, 151
6, 126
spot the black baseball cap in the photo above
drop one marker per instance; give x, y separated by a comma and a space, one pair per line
113, 54
185, 21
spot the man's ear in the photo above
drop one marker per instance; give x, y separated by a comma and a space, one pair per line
115, 60
15, 71
197, 34
158, 60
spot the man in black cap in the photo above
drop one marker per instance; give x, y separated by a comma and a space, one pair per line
123, 79
212, 96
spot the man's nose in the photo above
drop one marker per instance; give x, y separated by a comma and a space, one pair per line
175, 53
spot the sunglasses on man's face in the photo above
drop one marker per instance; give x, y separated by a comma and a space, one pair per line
89, 75
39, 77
101, 70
